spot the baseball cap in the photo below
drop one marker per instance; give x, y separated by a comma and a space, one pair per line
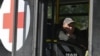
68, 20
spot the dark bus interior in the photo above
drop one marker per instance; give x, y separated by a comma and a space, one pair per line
57, 10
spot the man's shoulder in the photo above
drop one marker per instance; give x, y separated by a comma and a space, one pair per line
62, 35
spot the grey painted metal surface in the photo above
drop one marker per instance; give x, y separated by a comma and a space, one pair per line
3, 51
96, 28
15, 21
90, 27
29, 46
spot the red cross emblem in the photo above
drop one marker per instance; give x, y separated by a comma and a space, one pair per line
8, 20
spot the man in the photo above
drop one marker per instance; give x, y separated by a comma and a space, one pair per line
71, 35
68, 30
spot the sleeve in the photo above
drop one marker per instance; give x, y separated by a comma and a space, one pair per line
63, 36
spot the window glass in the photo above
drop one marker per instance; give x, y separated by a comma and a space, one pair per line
49, 12
78, 8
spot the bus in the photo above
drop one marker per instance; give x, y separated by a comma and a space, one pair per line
30, 27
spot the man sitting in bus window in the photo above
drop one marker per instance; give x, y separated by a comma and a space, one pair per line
70, 34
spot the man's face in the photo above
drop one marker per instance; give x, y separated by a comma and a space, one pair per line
69, 27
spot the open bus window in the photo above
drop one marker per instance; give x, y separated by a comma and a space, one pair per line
79, 13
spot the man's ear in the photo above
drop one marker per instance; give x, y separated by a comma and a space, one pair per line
65, 25
1, 1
